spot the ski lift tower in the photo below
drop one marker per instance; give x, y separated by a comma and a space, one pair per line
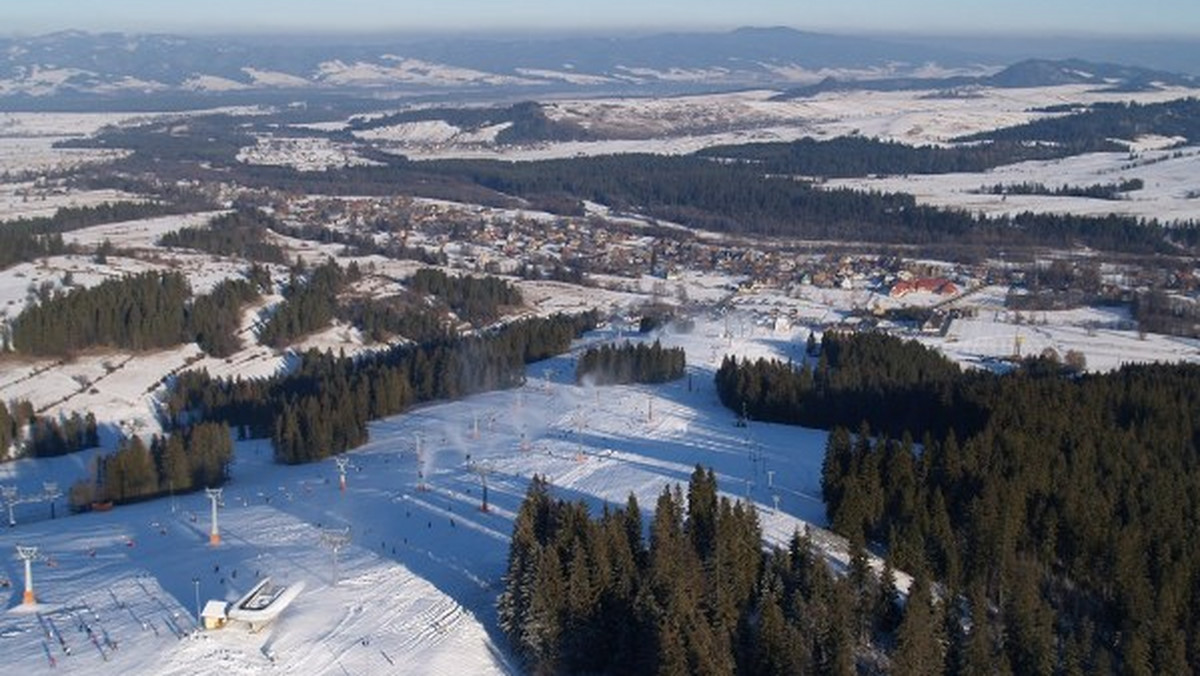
214, 496
51, 493
9, 494
28, 554
483, 470
342, 463
335, 539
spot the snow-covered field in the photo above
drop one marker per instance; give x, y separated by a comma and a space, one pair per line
303, 153
26, 199
684, 124
1171, 192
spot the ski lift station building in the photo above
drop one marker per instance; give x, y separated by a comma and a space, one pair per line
258, 608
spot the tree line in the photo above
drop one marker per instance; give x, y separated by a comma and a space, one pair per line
12, 420
630, 363
310, 302
894, 384
27, 239
478, 300
742, 198
702, 596
49, 437
1100, 191
860, 156
241, 233
1094, 129
323, 406
1060, 504
188, 460
145, 311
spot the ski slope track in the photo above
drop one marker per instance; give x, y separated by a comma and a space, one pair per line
416, 587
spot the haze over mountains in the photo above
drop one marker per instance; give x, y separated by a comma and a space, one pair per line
73, 65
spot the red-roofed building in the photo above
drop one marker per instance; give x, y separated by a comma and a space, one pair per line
938, 285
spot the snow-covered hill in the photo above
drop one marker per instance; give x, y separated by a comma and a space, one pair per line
417, 586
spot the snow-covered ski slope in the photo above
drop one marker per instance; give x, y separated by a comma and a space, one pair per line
417, 585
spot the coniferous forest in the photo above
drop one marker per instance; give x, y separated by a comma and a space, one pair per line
241, 233
188, 460
478, 300
630, 363
1059, 508
591, 595
136, 312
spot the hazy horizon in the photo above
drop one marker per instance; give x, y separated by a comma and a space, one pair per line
1103, 19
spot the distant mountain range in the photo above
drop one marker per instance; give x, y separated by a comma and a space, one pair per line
118, 67
1027, 73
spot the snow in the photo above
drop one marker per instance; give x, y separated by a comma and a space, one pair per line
417, 585
139, 234
1171, 178
28, 199
565, 76
27, 157
213, 83
684, 124
271, 78
401, 70
303, 153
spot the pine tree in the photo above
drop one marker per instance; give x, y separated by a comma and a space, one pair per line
917, 648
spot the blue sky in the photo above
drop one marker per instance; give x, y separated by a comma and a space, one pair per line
1038, 17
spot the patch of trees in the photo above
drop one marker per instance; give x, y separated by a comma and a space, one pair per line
27, 239
202, 140
591, 595
1157, 312
404, 316
67, 219
1100, 191
857, 156
241, 233
136, 312
309, 302
896, 385
12, 420
213, 320
1092, 130
323, 406
1059, 508
630, 363
49, 437
478, 300
188, 460
17, 246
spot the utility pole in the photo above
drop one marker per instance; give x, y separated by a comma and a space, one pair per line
196, 587
9, 494
51, 493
